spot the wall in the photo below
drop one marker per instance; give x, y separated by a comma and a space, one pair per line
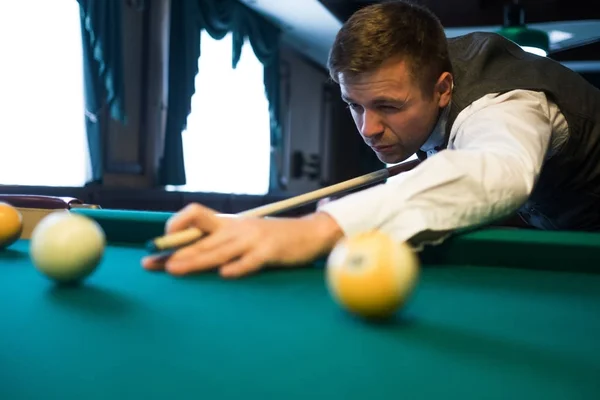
318, 123
303, 115
131, 150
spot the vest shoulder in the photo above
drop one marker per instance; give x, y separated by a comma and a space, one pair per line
475, 43
485, 62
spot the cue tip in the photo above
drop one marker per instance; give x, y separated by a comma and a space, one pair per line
157, 252
151, 247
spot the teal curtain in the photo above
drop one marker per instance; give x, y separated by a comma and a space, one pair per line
218, 18
102, 71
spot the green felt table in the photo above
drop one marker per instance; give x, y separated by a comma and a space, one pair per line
497, 314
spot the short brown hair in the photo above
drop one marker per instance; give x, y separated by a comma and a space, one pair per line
393, 29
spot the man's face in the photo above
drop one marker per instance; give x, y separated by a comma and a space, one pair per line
391, 112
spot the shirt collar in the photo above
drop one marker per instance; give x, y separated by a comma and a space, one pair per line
435, 141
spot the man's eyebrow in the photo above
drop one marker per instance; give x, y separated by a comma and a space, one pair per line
378, 100
386, 99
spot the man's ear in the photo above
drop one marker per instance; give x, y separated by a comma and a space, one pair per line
443, 88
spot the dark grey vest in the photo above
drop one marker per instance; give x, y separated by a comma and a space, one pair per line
567, 194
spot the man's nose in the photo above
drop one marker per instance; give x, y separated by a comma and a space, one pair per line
371, 124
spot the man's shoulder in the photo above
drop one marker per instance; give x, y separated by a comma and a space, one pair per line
475, 42
475, 36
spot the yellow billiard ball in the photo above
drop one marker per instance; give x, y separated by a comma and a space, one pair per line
371, 275
11, 225
67, 247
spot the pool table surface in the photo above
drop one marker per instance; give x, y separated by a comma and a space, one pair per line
497, 314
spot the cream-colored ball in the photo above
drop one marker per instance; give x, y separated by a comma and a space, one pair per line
67, 247
372, 275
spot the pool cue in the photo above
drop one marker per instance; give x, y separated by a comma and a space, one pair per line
179, 239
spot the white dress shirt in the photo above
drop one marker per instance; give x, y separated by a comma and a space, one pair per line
496, 149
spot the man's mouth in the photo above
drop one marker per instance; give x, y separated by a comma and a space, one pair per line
382, 148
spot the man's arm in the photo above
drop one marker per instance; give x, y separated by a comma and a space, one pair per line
496, 152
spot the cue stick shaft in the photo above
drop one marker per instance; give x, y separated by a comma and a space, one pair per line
187, 236
336, 189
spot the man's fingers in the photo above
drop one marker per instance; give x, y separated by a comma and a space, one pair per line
195, 215
197, 261
204, 245
248, 263
154, 263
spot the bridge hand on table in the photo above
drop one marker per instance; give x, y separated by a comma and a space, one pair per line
239, 246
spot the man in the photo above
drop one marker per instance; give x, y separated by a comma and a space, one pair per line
499, 130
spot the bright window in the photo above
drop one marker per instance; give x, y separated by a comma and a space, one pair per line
227, 141
42, 127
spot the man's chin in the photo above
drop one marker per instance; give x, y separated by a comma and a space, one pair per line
390, 158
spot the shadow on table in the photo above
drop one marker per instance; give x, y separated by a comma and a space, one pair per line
12, 255
90, 299
497, 352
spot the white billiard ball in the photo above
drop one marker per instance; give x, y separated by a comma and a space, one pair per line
67, 247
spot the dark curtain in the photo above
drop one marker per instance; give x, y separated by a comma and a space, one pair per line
218, 18
102, 71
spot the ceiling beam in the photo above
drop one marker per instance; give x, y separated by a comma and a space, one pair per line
467, 13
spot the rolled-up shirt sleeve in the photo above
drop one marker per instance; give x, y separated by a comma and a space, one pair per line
495, 154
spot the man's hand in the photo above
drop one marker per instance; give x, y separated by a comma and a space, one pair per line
240, 245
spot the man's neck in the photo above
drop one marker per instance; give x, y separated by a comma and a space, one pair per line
436, 138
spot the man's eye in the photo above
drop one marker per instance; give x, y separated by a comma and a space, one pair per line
388, 108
